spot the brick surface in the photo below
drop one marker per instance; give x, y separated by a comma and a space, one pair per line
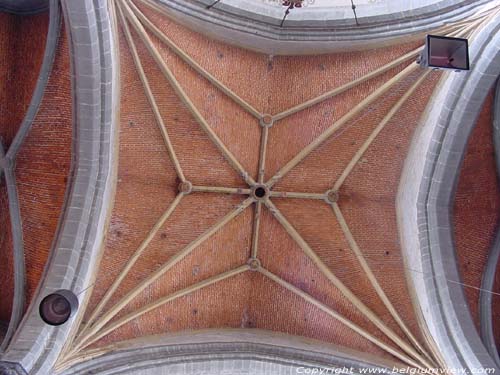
477, 209
147, 184
22, 41
43, 162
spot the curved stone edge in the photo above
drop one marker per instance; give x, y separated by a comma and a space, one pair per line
18, 300
425, 203
43, 78
36, 345
19, 266
24, 7
391, 12
485, 298
229, 351
310, 37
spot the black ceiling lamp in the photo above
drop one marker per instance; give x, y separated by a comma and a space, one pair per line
442, 52
56, 308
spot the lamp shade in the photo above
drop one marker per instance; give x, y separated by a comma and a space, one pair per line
56, 308
445, 53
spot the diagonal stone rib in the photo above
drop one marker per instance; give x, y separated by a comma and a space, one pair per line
124, 272
374, 282
339, 317
159, 272
190, 61
150, 96
342, 121
370, 315
161, 301
183, 96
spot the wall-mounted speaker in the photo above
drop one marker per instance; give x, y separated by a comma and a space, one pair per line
444, 52
56, 308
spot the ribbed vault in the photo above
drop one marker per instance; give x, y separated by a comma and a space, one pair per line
244, 201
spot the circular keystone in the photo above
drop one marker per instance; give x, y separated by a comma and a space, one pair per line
254, 264
332, 196
266, 121
185, 187
260, 192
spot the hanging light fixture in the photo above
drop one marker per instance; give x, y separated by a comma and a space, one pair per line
56, 308
443, 52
